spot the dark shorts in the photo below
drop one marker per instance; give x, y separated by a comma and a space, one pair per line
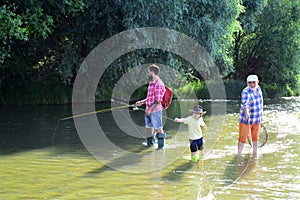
196, 145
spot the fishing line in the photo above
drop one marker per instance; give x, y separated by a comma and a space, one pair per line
135, 108
54, 133
94, 112
202, 172
162, 115
249, 160
239, 177
84, 114
130, 121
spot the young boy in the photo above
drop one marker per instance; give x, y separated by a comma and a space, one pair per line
194, 122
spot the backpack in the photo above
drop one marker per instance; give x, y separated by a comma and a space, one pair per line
167, 98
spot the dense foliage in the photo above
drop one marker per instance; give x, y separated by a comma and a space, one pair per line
272, 48
43, 43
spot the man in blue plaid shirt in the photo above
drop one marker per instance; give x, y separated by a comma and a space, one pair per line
250, 114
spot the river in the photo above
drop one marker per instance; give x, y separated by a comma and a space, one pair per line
44, 158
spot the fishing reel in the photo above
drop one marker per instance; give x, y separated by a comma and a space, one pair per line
135, 107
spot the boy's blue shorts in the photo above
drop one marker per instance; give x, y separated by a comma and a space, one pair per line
154, 120
196, 145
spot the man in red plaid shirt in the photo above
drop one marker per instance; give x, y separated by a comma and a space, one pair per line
154, 109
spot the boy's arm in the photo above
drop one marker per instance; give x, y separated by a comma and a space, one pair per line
179, 119
205, 127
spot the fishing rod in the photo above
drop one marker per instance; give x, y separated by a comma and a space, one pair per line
249, 134
263, 137
137, 108
107, 110
94, 112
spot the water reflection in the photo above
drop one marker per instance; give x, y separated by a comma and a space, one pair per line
44, 159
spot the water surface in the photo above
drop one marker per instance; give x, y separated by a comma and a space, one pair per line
42, 158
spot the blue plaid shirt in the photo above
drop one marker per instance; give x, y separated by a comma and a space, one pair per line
253, 102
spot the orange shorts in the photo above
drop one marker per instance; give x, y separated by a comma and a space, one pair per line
244, 131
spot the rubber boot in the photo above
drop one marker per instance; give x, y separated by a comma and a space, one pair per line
150, 141
240, 147
194, 158
161, 140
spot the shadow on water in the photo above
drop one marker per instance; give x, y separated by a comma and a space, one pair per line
239, 167
179, 171
124, 160
100, 170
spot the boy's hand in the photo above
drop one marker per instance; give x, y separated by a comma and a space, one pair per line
205, 128
176, 119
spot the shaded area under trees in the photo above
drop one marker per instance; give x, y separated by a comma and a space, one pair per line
43, 43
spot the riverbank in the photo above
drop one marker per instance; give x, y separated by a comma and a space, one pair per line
53, 92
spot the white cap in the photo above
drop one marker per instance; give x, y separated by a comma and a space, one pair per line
252, 78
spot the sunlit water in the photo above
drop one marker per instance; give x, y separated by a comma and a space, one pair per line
42, 158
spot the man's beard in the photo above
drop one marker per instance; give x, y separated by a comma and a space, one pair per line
150, 78
254, 88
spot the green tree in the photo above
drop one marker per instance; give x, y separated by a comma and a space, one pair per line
208, 22
21, 21
272, 51
32, 35
247, 19
49, 39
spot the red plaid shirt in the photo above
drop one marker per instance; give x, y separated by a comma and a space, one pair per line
156, 91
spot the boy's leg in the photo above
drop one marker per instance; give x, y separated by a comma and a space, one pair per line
194, 149
194, 158
201, 147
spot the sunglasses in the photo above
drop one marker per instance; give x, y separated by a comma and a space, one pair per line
252, 82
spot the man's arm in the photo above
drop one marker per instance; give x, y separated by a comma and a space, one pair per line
141, 102
246, 104
148, 112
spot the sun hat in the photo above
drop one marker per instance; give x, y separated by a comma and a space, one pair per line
198, 110
252, 78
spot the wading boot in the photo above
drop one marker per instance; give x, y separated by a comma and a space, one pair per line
161, 139
150, 141
194, 158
